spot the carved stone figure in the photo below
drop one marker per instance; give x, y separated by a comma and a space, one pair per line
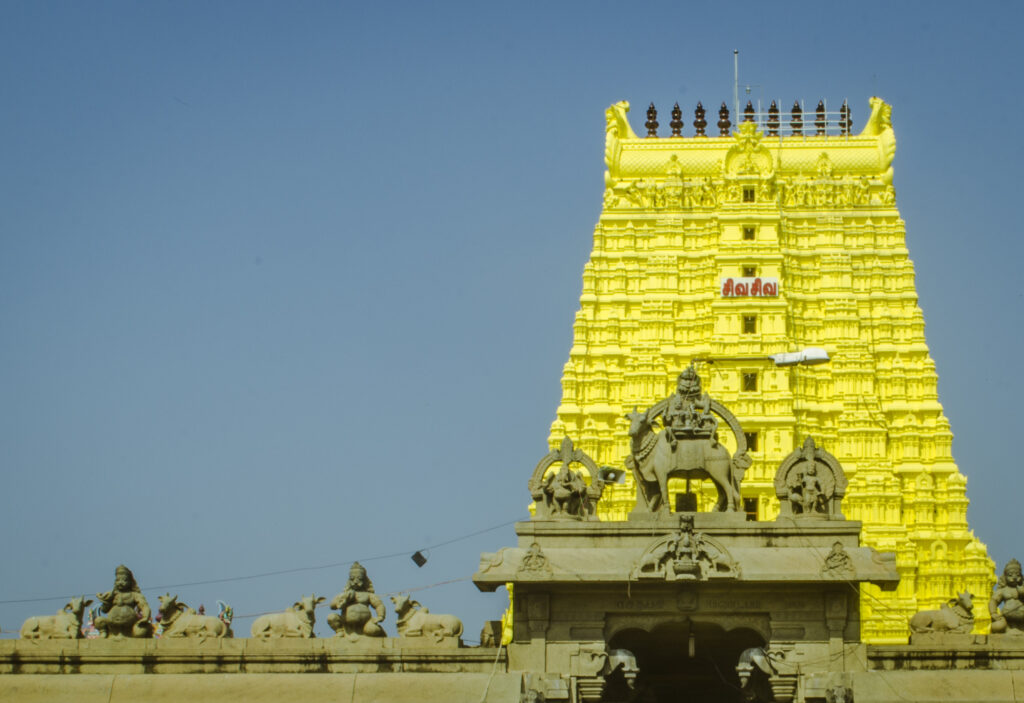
838, 563
66, 624
1009, 593
534, 563
361, 611
127, 612
688, 447
416, 621
297, 621
839, 694
810, 483
564, 494
179, 620
685, 555
955, 616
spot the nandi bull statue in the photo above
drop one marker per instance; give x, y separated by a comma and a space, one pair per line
688, 446
956, 616
66, 624
179, 620
416, 621
298, 621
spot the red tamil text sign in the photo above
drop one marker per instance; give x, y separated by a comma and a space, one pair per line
750, 287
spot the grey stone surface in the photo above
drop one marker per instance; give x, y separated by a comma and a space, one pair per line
687, 447
265, 688
956, 616
810, 483
361, 611
1007, 603
564, 494
126, 611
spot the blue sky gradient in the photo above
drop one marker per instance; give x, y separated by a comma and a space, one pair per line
286, 286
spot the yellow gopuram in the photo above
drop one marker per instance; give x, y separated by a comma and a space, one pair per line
735, 247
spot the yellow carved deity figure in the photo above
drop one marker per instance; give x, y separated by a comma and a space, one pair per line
769, 236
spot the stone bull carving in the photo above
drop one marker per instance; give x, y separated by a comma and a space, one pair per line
66, 624
956, 616
417, 621
298, 621
179, 620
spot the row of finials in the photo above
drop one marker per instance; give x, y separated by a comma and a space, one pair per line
772, 124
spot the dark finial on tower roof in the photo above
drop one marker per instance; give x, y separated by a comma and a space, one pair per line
796, 123
723, 121
699, 123
652, 121
677, 121
773, 120
748, 112
844, 119
819, 118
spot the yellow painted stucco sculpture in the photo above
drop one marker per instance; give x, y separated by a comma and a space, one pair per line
780, 236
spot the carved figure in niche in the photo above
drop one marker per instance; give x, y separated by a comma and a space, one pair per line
839, 694
810, 483
534, 562
297, 621
179, 620
838, 563
685, 555
361, 611
674, 170
416, 621
1009, 593
688, 446
66, 624
707, 193
127, 612
955, 616
564, 494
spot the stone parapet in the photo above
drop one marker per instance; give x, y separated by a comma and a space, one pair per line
234, 656
259, 688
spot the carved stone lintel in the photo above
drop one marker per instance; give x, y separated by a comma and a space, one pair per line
685, 555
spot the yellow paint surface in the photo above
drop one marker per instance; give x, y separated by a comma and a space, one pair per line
818, 215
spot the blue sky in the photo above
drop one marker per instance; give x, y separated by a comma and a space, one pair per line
287, 286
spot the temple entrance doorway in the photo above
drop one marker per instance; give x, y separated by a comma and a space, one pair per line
686, 661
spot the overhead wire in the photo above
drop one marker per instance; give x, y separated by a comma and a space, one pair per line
299, 569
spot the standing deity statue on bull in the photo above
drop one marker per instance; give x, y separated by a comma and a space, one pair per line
687, 447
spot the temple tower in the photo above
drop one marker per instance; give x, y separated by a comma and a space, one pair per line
770, 238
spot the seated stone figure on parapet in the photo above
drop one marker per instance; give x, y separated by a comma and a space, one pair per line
127, 612
688, 447
1009, 593
356, 619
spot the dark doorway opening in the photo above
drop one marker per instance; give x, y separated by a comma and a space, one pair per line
686, 661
